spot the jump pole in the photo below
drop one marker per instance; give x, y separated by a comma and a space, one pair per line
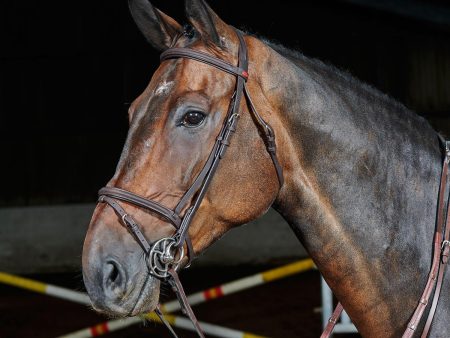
47, 289
172, 306
202, 297
241, 284
113, 325
175, 321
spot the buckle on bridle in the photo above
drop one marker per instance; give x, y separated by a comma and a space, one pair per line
233, 116
447, 151
444, 254
164, 255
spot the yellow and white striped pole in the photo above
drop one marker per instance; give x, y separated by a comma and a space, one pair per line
241, 284
48, 289
172, 306
175, 321
113, 325
201, 297
104, 328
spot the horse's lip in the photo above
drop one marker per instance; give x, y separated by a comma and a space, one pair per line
143, 300
134, 303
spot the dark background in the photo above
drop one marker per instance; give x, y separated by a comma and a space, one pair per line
69, 69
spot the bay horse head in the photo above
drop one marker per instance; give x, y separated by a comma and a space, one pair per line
178, 126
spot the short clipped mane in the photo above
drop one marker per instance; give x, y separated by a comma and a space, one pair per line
339, 75
346, 81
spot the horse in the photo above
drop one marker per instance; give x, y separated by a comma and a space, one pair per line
361, 173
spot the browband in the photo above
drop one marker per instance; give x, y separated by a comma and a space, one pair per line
176, 53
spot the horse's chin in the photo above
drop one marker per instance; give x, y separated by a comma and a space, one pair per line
143, 298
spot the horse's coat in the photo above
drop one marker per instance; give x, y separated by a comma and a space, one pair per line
361, 174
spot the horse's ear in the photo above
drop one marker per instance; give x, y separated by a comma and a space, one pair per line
158, 28
205, 20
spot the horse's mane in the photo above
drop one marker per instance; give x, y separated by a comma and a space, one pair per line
332, 72
346, 81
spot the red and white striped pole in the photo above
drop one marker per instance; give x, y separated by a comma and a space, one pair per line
172, 306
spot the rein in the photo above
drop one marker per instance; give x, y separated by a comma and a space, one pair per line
164, 257
441, 250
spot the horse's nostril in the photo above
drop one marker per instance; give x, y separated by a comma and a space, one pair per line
114, 273
114, 281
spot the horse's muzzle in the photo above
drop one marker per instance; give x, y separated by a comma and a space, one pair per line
118, 287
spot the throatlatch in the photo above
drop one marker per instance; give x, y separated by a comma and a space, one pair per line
165, 256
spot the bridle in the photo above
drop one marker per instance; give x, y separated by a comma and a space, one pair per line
164, 257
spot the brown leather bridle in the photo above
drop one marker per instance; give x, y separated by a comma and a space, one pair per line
441, 249
164, 257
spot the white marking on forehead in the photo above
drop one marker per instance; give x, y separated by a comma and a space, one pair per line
224, 41
164, 88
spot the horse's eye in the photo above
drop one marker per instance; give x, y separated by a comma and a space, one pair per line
193, 118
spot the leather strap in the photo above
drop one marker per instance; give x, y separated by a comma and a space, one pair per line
332, 321
269, 137
176, 53
229, 127
201, 177
197, 182
444, 249
177, 288
128, 221
109, 194
434, 303
435, 277
142, 202
165, 322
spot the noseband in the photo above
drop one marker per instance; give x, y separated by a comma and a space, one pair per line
165, 255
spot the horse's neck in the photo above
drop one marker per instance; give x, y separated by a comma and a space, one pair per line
361, 190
